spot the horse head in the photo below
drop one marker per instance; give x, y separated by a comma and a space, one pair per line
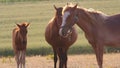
58, 11
68, 20
23, 31
58, 16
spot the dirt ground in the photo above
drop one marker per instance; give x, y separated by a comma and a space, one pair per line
74, 61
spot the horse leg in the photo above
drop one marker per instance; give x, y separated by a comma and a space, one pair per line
20, 58
24, 54
65, 59
17, 53
99, 54
55, 58
60, 54
17, 59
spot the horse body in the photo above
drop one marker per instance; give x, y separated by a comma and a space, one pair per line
59, 44
19, 41
113, 23
100, 30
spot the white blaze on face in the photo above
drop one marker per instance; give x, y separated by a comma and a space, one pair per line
66, 14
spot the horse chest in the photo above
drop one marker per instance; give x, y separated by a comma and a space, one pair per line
19, 44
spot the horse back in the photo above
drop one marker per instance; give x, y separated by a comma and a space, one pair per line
113, 23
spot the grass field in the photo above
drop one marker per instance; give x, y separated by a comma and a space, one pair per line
74, 61
38, 14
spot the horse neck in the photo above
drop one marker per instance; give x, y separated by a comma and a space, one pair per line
82, 23
55, 26
58, 21
99, 17
90, 20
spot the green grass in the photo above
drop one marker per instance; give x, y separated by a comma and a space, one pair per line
38, 14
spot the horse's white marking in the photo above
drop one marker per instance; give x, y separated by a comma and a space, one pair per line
66, 14
60, 32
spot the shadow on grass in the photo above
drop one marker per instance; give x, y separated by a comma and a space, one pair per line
48, 50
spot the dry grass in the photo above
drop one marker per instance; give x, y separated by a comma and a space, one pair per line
75, 61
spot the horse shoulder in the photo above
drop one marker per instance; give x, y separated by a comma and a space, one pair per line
49, 32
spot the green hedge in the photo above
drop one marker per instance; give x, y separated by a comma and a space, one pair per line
48, 50
9, 1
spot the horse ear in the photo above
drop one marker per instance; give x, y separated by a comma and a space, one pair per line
18, 25
27, 24
67, 4
55, 7
75, 7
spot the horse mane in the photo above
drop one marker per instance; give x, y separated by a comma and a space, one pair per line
95, 16
89, 10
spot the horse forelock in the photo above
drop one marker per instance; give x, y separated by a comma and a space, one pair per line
67, 7
99, 13
64, 9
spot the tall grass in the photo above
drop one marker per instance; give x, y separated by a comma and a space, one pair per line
38, 14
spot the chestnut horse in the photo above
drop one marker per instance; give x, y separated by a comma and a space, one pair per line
100, 29
19, 41
59, 44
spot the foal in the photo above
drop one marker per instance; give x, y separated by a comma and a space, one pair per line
19, 41
59, 44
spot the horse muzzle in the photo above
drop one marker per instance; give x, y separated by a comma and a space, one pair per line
64, 33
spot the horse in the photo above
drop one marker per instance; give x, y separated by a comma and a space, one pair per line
100, 29
19, 42
59, 44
